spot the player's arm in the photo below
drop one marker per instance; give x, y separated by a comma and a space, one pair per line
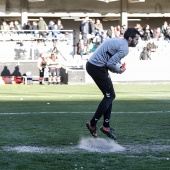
113, 64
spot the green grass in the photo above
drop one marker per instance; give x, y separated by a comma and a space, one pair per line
54, 117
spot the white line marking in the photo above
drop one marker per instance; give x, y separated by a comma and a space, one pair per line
143, 112
94, 95
93, 145
48, 96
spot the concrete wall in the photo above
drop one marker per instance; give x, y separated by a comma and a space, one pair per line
156, 69
12, 11
89, 6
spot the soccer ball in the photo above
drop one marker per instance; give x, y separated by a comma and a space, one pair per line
119, 64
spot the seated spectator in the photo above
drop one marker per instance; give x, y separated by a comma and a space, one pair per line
151, 47
27, 26
111, 32
4, 27
82, 48
34, 28
122, 30
140, 29
17, 27
56, 31
99, 29
167, 32
98, 26
164, 26
157, 33
11, 27
92, 28
148, 34
144, 55
117, 31
84, 29
59, 25
50, 27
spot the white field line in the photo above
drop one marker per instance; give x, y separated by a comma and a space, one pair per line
53, 96
144, 112
89, 144
94, 95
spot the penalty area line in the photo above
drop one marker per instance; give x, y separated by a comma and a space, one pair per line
142, 112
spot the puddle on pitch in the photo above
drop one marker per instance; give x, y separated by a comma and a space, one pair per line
100, 145
90, 144
85, 144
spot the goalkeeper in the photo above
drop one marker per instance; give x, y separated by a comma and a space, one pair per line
107, 57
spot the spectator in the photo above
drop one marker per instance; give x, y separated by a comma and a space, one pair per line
117, 31
60, 25
122, 30
164, 26
148, 34
92, 28
52, 65
144, 55
56, 31
17, 27
41, 64
167, 32
81, 48
84, 29
34, 28
27, 26
16, 72
140, 29
98, 26
42, 27
157, 33
111, 32
50, 27
5, 72
99, 29
4, 27
58, 70
11, 27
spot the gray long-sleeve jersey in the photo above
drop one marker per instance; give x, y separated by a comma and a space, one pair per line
109, 53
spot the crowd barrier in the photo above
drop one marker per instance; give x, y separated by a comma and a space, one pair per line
24, 46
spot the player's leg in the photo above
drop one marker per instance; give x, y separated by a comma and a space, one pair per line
58, 78
103, 81
53, 74
41, 76
49, 77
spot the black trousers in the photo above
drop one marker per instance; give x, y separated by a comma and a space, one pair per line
41, 76
102, 79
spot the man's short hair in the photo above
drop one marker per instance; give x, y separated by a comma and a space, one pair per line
131, 32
